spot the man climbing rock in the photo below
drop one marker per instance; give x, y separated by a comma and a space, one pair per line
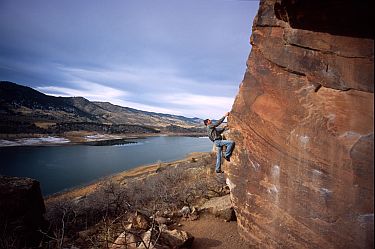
214, 133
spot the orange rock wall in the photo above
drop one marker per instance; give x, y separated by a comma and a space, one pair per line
302, 173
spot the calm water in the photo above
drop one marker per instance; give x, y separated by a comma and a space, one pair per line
62, 167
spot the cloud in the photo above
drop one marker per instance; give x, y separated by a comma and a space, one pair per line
201, 105
90, 90
156, 78
144, 107
173, 57
178, 103
198, 100
97, 92
157, 89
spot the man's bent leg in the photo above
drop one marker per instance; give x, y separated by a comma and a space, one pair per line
230, 146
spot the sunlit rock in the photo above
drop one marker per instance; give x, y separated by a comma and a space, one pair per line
302, 121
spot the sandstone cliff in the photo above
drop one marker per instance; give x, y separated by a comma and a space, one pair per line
302, 173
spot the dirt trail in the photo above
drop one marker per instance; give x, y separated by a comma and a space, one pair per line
210, 232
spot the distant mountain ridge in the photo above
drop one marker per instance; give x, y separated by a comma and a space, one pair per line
24, 105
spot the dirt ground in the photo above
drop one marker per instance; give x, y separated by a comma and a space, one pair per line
211, 232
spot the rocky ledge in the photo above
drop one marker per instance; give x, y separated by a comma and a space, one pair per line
21, 212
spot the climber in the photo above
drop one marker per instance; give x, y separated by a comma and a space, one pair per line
214, 134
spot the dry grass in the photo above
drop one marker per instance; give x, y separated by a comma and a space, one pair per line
159, 189
44, 125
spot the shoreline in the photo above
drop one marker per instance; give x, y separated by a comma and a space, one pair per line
139, 171
80, 138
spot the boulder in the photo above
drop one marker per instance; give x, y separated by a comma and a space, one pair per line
221, 207
176, 238
146, 242
21, 210
185, 211
167, 239
302, 173
125, 241
140, 221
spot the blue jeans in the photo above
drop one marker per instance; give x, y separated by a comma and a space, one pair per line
219, 145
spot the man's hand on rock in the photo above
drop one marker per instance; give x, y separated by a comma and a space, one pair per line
227, 114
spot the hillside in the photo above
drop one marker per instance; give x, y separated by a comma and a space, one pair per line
119, 114
25, 110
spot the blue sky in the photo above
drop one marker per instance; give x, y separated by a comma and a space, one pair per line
179, 57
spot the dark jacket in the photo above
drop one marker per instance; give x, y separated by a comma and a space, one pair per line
214, 133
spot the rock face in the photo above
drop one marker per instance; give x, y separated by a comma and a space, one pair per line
21, 211
221, 207
302, 173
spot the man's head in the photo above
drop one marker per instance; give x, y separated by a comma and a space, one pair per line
207, 122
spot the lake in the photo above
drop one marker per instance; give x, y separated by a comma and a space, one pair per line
59, 168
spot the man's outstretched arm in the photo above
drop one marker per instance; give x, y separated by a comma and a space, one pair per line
217, 123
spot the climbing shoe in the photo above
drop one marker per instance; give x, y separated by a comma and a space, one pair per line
227, 158
219, 171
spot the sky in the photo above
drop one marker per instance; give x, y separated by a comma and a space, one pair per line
178, 57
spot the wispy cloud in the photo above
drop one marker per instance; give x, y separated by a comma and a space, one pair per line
148, 108
97, 92
85, 89
157, 89
177, 103
146, 79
